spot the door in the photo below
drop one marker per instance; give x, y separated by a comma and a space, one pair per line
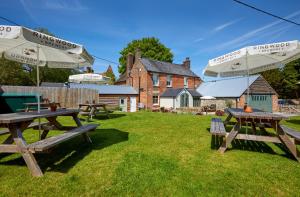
132, 104
262, 102
123, 104
184, 100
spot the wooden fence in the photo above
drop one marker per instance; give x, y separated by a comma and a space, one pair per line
67, 97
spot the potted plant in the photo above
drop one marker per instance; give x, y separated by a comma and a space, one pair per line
53, 106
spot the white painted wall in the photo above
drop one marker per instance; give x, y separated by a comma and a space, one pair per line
166, 102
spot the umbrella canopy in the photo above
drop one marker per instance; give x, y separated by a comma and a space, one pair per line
27, 46
207, 98
89, 78
253, 59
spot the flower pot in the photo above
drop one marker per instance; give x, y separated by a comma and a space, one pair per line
53, 107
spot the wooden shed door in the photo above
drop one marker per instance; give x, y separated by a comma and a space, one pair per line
262, 102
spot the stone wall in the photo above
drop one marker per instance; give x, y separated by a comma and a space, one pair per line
220, 103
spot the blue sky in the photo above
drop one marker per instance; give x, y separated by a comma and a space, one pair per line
197, 29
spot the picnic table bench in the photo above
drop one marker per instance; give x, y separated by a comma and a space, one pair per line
17, 123
93, 109
217, 127
257, 118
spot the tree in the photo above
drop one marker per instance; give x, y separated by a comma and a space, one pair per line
12, 73
150, 48
110, 73
285, 80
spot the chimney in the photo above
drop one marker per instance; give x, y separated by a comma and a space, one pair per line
129, 63
138, 54
187, 63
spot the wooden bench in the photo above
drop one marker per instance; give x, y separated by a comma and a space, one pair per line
50, 142
32, 125
291, 132
217, 127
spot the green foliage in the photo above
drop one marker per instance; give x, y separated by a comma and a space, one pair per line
112, 77
285, 80
12, 73
150, 48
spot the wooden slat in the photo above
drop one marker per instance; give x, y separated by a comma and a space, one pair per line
217, 127
291, 132
258, 138
32, 125
50, 142
67, 97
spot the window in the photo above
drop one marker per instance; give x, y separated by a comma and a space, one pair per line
155, 79
196, 102
185, 81
169, 80
122, 101
155, 100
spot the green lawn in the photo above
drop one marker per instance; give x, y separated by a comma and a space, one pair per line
154, 154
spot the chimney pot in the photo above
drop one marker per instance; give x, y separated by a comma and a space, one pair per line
187, 63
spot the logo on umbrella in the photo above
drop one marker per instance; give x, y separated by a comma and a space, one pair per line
29, 51
235, 65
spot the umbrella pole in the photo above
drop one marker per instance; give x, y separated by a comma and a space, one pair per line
38, 85
248, 80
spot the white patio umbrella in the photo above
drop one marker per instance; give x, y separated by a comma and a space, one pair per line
253, 59
89, 78
27, 46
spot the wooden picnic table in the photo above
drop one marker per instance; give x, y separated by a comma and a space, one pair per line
43, 105
93, 109
17, 123
256, 119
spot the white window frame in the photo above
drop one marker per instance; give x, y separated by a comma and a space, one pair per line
157, 100
155, 75
186, 82
169, 79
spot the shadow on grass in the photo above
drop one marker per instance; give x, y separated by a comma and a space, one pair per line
294, 121
63, 157
255, 146
103, 117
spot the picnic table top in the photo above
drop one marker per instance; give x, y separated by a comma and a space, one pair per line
41, 103
92, 104
256, 114
28, 116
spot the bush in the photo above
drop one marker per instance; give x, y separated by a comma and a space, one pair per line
220, 113
228, 103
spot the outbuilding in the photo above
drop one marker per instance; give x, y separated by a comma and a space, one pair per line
117, 96
233, 92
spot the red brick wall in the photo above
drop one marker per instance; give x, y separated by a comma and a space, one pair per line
275, 106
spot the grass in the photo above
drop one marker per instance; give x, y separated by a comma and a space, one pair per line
154, 154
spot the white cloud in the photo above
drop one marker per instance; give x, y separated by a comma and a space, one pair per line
198, 39
225, 25
27, 8
217, 29
250, 36
74, 5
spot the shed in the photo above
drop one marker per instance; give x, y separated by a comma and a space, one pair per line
116, 96
234, 90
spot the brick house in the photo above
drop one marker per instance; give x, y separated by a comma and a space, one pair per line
152, 78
